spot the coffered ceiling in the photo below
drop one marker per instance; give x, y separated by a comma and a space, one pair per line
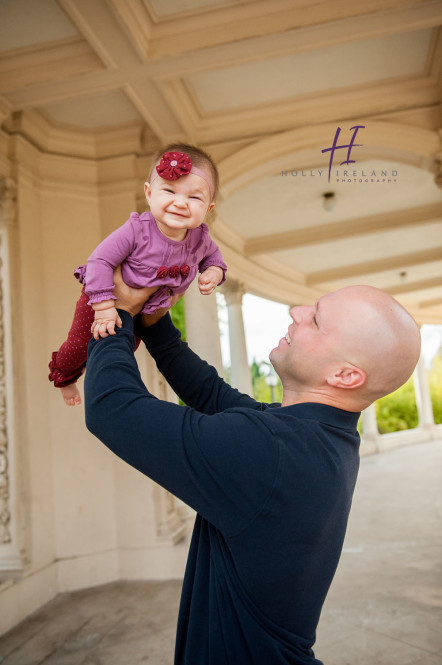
264, 86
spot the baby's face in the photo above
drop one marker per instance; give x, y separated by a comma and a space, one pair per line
178, 205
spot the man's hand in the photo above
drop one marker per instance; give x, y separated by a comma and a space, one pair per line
132, 300
129, 299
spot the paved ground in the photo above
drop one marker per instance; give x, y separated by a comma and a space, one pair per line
384, 608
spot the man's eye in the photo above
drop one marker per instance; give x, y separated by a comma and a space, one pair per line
315, 322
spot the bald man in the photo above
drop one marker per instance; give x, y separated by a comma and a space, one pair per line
271, 484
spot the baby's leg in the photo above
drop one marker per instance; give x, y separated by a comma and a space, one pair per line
69, 361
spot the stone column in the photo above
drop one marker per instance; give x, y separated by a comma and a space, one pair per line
370, 432
423, 399
202, 327
9, 550
240, 372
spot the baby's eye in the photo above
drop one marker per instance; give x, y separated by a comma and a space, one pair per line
198, 198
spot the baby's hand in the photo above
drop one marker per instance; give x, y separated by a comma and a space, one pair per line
105, 320
209, 280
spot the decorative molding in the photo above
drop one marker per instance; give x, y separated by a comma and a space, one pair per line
436, 168
8, 201
268, 155
136, 21
248, 21
367, 101
401, 261
409, 287
5, 109
57, 140
47, 62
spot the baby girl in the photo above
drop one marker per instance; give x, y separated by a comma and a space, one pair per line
162, 249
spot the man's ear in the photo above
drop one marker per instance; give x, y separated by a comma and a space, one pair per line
347, 377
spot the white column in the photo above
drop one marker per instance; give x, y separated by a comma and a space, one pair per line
423, 399
240, 372
202, 327
10, 559
370, 432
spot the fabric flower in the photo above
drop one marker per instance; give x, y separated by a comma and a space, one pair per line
185, 270
162, 272
173, 165
174, 271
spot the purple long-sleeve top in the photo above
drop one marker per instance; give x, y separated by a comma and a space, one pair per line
141, 249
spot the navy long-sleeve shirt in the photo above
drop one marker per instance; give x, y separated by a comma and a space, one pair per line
272, 488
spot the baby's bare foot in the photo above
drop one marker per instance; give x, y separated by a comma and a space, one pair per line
71, 395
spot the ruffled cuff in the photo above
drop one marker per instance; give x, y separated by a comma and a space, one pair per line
99, 296
62, 379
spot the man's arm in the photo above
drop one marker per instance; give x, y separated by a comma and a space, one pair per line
195, 381
224, 466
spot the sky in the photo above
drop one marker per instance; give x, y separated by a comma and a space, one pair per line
265, 322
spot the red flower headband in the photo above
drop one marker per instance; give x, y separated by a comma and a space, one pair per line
173, 165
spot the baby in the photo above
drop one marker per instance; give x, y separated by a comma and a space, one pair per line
162, 249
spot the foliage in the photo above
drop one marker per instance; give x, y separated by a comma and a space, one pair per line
262, 392
435, 383
177, 313
397, 411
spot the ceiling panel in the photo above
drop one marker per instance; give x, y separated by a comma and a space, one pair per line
332, 254
406, 275
30, 22
310, 72
93, 111
297, 201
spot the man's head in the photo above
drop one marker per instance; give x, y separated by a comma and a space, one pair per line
349, 349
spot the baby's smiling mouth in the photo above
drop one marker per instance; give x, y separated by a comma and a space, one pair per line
287, 337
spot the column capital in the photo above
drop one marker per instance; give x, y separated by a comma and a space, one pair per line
233, 291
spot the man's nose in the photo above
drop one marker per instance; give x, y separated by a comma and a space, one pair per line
300, 312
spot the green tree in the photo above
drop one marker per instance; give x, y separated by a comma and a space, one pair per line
262, 392
397, 411
435, 383
177, 313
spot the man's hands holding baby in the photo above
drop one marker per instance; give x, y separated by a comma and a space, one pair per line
129, 299
132, 301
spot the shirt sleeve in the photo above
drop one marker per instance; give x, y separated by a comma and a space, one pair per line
99, 284
212, 257
195, 381
224, 465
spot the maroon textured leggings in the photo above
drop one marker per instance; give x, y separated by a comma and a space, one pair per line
67, 364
